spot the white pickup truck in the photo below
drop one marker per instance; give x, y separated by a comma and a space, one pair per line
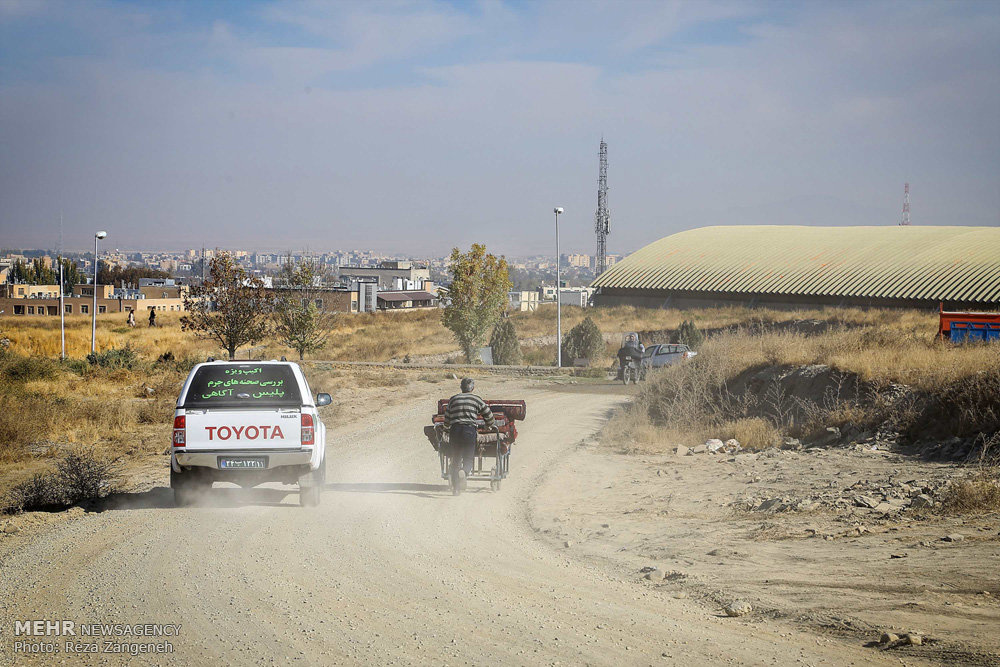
248, 423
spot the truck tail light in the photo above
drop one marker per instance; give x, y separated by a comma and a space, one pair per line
180, 432
308, 430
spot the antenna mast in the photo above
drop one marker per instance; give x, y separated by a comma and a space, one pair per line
905, 222
602, 220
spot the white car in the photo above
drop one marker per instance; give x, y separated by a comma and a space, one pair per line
248, 423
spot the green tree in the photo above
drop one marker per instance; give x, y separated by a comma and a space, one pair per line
125, 275
688, 334
584, 341
231, 307
32, 273
478, 293
506, 347
71, 274
301, 319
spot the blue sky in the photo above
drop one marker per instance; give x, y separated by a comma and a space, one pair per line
411, 127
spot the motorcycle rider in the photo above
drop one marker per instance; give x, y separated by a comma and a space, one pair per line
633, 350
460, 424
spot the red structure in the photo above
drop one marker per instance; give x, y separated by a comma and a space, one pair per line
962, 326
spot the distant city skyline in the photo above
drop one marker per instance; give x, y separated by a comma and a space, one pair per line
414, 127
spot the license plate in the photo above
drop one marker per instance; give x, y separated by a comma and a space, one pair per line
243, 463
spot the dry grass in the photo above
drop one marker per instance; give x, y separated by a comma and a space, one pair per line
753, 433
954, 389
979, 494
360, 337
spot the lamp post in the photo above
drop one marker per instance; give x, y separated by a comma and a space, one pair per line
93, 315
557, 210
62, 311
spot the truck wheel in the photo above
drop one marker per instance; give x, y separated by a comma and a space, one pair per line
185, 486
311, 486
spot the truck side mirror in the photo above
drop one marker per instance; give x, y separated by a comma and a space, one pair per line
323, 399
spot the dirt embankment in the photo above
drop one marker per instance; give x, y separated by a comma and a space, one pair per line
841, 542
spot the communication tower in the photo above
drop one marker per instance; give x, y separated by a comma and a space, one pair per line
906, 205
602, 220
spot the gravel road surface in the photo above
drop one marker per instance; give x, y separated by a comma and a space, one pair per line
391, 569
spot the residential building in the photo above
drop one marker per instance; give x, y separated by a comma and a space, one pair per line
523, 301
15, 291
385, 273
406, 300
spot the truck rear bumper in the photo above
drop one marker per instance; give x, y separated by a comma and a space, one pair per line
209, 458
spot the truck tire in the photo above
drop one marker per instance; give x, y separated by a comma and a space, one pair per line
311, 486
186, 487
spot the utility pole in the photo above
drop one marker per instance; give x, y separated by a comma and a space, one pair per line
602, 220
557, 210
93, 315
62, 290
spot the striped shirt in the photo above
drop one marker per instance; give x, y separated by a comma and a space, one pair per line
465, 409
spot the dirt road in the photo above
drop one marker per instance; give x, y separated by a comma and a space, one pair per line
391, 569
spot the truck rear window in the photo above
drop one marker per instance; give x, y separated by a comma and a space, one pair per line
243, 385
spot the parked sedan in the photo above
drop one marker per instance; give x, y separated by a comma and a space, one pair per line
658, 356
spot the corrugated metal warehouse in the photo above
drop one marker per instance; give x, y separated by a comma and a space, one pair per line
793, 266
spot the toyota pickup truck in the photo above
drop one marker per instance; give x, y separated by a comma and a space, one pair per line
248, 423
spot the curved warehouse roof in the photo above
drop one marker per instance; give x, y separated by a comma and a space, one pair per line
891, 262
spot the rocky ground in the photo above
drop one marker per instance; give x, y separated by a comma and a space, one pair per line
843, 541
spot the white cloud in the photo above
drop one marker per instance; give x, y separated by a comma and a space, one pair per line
826, 112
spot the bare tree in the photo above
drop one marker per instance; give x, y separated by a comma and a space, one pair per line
231, 307
301, 318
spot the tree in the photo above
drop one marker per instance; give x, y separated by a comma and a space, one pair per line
32, 273
122, 275
506, 347
584, 341
231, 307
688, 334
71, 274
479, 286
301, 319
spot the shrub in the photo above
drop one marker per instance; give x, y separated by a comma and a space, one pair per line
79, 476
25, 369
688, 334
116, 357
981, 493
506, 347
181, 364
584, 341
78, 366
37, 492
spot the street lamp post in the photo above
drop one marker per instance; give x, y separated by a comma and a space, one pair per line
93, 315
557, 210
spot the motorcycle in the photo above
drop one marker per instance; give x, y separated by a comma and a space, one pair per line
633, 371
